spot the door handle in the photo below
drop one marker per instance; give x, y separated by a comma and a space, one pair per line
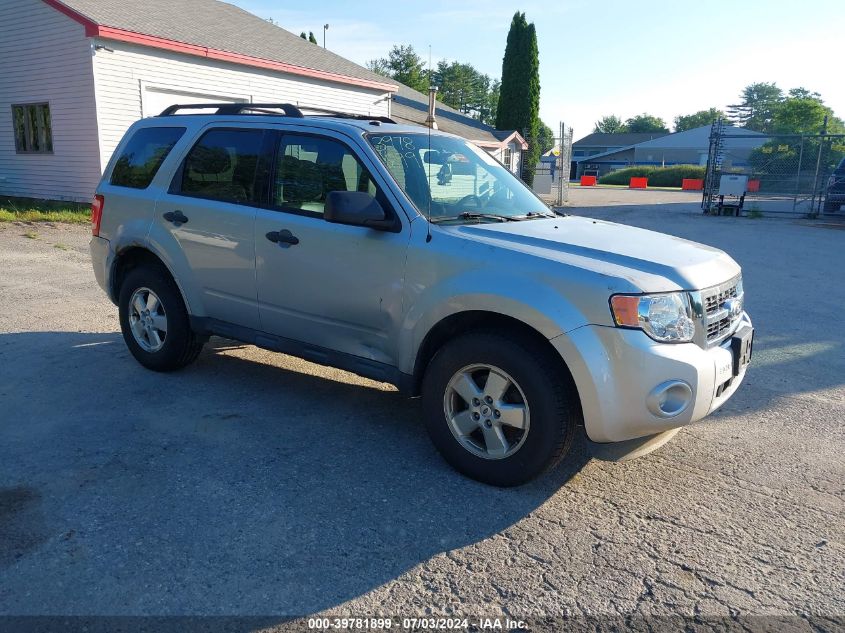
283, 238
176, 217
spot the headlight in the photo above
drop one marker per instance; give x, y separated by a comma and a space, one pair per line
665, 317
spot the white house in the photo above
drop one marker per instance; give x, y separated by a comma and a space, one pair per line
76, 73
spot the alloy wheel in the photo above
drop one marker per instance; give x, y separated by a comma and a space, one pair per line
147, 320
486, 411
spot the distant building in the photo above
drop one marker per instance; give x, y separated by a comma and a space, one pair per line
689, 147
600, 143
410, 106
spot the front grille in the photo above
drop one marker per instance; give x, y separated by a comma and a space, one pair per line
715, 319
719, 328
714, 302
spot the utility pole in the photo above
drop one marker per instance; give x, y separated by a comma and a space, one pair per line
325, 28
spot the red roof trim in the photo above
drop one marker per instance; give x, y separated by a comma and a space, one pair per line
92, 29
90, 26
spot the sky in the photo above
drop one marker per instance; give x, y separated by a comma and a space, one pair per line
599, 58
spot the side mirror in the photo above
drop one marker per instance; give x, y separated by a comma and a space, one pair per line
355, 208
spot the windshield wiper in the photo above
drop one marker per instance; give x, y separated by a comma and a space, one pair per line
471, 215
531, 215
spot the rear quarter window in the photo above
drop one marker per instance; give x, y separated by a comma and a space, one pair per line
143, 155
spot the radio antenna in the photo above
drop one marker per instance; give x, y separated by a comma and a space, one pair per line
432, 99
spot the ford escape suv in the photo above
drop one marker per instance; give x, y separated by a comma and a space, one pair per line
337, 239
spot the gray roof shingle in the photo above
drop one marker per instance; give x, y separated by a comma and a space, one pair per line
622, 139
221, 26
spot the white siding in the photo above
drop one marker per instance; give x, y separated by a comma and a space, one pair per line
125, 73
516, 156
516, 152
46, 57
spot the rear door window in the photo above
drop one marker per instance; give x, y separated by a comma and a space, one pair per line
223, 165
143, 155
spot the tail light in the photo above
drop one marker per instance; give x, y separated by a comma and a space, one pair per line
96, 214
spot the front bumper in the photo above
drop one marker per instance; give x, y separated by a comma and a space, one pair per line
616, 369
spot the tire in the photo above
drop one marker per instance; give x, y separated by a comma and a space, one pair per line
164, 350
549, 421
831, 207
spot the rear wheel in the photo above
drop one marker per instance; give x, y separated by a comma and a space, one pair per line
499, 410
154, 320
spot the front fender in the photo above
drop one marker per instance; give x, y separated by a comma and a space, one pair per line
515, 296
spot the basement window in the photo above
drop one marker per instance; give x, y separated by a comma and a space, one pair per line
33, 128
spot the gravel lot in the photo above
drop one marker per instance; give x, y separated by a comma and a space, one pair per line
255, 483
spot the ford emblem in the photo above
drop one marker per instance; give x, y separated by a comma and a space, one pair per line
734, 308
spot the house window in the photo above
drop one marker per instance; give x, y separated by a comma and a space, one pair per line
33, 128
507, 158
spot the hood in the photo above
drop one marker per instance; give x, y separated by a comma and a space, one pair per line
651, 261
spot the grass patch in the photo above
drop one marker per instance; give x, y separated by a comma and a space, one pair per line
32, 210
61, 247
31, 235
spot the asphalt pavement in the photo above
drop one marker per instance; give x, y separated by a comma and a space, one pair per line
253, 483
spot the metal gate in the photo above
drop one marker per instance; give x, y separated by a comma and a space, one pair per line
787, 174
551, 176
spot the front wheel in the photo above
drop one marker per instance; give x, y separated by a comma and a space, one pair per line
154, 320
499, 410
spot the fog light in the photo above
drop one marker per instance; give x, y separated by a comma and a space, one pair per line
669, 399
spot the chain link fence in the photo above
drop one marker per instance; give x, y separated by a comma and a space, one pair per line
551, 175
786, 174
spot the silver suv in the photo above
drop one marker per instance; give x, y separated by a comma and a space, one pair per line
413, 257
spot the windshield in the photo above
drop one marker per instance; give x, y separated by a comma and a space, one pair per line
460, 181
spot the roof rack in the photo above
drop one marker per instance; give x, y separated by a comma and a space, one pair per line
270, 108
347, 115
238, 108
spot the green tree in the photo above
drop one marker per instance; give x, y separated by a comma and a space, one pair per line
379, 66
803, 93
311, 37
698, 119
803, 115
491, 103
646, 123
546, 138
802, 112
460, 86
757, 106
303, 36
519, 98
610, 124
404, 65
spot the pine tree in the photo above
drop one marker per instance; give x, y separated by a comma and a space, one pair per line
311, 37
519, 97
303, 36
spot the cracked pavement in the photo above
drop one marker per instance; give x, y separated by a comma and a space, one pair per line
256, 483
